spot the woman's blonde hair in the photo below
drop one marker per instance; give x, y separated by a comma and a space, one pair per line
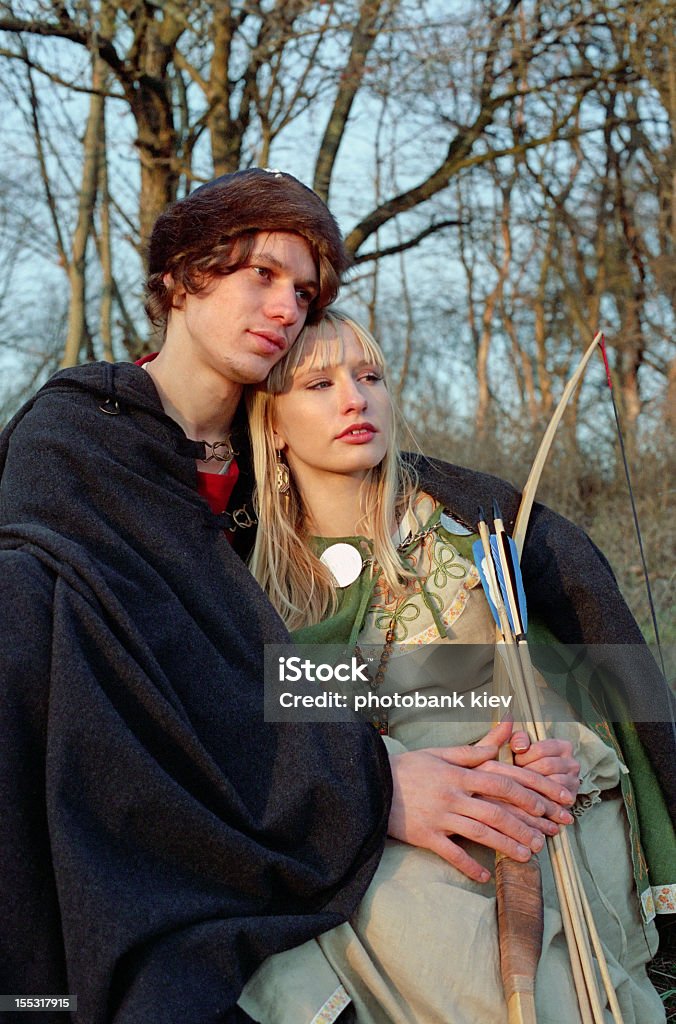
299, 586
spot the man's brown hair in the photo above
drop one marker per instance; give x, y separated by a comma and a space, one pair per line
211, 233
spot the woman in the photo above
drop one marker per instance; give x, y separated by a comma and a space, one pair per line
423, 945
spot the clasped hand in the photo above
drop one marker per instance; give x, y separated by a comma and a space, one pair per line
464, 791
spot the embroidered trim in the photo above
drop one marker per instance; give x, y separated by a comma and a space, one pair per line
333, 1006
664, 897
449, 616
647, 905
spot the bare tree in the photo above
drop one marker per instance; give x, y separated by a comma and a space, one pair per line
494, 125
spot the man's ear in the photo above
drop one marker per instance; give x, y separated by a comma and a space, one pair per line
177, 291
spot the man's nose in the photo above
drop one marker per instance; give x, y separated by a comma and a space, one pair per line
283, 305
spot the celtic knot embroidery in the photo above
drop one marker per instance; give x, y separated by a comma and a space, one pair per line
445, 565
396, 620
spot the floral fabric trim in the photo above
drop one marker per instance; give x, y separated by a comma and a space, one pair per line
333, 1006
660, 899
449, 615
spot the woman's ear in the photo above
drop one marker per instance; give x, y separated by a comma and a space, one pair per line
278, 440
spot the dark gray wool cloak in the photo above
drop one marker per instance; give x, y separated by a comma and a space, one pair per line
158, 839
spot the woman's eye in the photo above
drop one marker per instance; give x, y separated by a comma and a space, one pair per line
371, 377
262, 272
304, 297
319, 385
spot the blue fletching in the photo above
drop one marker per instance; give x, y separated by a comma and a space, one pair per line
479, 561
517, 580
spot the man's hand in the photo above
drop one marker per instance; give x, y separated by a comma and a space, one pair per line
464, 791
552, 758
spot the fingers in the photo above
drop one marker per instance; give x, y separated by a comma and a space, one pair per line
542, 750
544, 824
570, 782
559, 815
499, 734
479, 832
563, 771
554, 759
554, 766
493, 824
522, 787
460, 859
468, 756
520, 742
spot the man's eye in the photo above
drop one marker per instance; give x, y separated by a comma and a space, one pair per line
304, 297
262, 272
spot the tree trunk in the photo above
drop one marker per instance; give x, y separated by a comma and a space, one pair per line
77, 332
105, 253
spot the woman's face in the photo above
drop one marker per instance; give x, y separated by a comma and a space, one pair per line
336, 420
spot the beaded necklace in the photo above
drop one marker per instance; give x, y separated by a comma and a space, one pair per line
380, 719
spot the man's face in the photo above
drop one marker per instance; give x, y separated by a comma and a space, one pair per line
240, 325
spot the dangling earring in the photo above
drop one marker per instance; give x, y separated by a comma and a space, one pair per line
283, 481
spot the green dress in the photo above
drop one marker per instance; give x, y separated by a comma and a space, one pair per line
422, 946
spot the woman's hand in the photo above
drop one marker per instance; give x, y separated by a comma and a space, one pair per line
553, 758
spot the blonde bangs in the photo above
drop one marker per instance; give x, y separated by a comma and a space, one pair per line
327, 346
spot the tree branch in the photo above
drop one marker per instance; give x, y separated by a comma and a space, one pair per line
392, 250
61, 30
57, 79
363, 38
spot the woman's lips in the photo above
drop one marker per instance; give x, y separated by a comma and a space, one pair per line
360, 433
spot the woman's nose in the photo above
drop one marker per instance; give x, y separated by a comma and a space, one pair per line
353, 397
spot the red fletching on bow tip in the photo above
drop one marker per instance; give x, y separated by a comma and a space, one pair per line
605, 361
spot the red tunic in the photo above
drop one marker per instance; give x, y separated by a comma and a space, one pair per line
216, 488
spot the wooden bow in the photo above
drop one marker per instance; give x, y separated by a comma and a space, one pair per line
581, 933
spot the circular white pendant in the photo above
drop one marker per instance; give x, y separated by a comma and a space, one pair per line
453, 525
343, 562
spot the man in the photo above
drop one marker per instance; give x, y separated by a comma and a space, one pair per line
158, 838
